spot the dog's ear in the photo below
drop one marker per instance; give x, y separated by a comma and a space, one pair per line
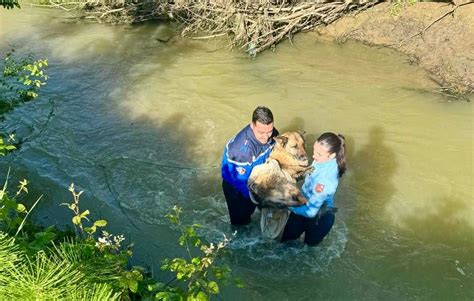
282, 140
301, 133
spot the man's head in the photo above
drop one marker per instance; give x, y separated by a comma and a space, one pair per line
262, 124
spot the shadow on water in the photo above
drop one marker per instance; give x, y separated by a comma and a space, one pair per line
133, 169
132, 173
375, 242
372, 166
295, 124
443, 224
362, 196
367, 189
441, 233
298, 124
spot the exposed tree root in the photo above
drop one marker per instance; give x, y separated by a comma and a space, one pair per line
254, 25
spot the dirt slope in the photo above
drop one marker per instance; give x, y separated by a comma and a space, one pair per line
444, 47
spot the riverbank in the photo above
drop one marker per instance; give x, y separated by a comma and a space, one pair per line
436, 36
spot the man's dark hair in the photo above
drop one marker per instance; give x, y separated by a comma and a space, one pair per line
263, 115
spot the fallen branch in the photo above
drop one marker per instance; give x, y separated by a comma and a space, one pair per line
255, 24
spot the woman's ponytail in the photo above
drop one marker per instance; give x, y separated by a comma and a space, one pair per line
341, 155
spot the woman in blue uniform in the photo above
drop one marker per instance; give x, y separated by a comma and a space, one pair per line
316, 218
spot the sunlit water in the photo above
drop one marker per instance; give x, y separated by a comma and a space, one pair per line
140, 126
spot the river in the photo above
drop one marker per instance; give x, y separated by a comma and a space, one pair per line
140, 126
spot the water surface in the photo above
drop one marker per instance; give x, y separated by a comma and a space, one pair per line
140, 126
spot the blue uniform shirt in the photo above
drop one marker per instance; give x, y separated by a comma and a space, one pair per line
319, 188
242, 153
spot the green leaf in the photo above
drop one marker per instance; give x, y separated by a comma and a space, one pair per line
43, 238
196, 260
162, 296
100, 223
85, 213
133, 286
239, 283
200, 296
20, 208
9, 203
168, 296
137, 275
213, 288
90, 230
76, 220
155, 286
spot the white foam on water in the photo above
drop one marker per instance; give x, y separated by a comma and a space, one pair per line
288, 259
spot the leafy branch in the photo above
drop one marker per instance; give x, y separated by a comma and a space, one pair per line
79, 215
13, 214
200, 272
22, 79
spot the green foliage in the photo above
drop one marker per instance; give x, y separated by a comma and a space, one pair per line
98, 266
8, 4
45, 264
9, 255
106, 259
80, 216
35, 267
49, 275
21, 80
12, 212
199, 272
398, 5
6, 147
13, 220
95, 292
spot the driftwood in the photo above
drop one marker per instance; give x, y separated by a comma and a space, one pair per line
253, 25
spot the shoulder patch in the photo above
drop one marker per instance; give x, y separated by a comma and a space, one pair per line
319, 188
240, 170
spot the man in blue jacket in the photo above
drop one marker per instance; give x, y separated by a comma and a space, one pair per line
249, 148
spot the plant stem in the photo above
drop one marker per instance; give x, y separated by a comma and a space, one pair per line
28, 213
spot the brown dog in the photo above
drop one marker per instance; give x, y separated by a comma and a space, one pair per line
272, 185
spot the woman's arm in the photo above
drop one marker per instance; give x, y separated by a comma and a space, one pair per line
315, 201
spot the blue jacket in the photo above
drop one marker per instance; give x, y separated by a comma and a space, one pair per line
242, 153
319, 187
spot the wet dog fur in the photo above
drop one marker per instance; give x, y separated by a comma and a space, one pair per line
273, 184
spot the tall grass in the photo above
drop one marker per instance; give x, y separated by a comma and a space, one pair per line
53, 274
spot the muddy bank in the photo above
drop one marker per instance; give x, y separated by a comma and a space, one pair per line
443, 46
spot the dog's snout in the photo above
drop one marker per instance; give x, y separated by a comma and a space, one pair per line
303, 158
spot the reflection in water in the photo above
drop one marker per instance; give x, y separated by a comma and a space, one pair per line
140, 125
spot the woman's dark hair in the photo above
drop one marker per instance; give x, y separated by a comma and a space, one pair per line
262, 115
335, 144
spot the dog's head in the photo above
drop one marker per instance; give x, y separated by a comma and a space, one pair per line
292, 144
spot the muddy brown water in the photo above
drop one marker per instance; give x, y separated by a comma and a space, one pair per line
140, 126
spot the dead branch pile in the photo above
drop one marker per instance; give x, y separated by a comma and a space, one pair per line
258, 25
253, 25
